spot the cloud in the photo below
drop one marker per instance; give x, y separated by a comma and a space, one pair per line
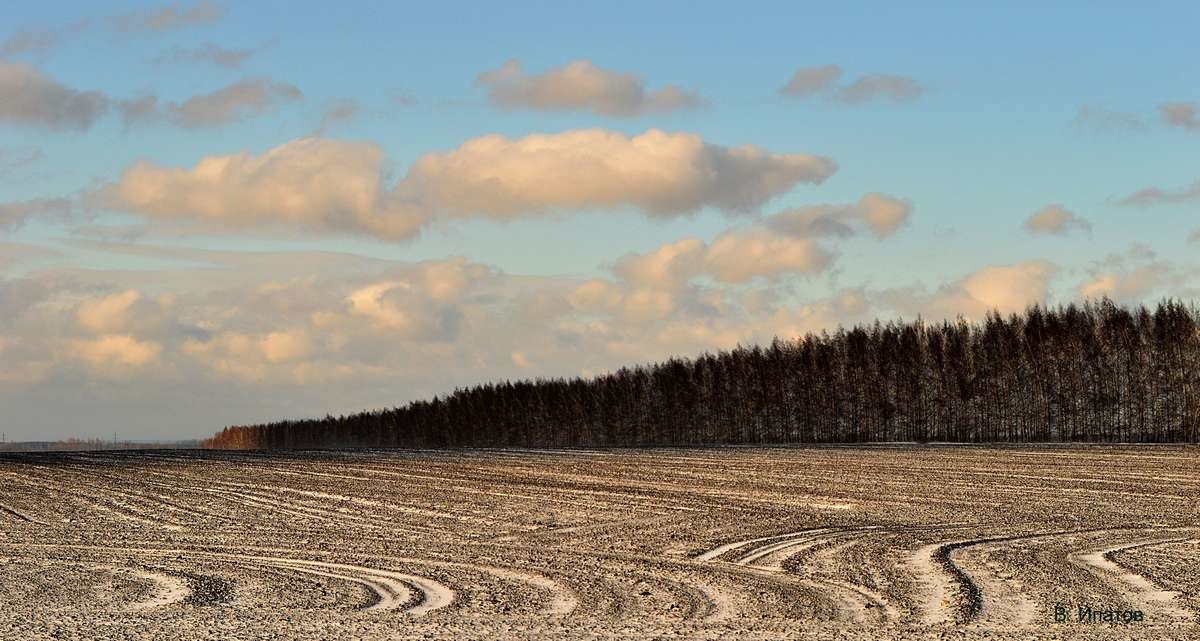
582, 86
139, 110
119, 351
1057, 220
29, 41
881, 214
312, 184
108, 314
254, 357
300, 333
325, 185
1181, 114
336, 113
670, 265
733, 257
404, 311
740, 257
28, 97
1009, 288
41, 40
810, 81
426, 303
15, 159
13, 254
1006, 288
207, 53
1126, 286
239, 101
1100, 119
177, 15
402, 98
16, 214
877, 87
691, 279
1131, 276
236, 102
659, 173
1160, 196
287, 318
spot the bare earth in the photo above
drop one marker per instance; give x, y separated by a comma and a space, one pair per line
745, 543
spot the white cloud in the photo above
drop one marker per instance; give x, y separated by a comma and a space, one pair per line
327, 185
312, 184
738, 257
1006, 288
734, 257
581, 86
670, 265
117, 351
307, 333
405, 310
660, 173
595, 296
1010, 288
108, 314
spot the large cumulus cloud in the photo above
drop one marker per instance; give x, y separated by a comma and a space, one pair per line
336, 185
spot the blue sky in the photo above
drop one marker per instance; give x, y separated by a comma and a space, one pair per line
1019, 109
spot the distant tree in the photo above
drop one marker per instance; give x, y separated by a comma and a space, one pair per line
1089, 372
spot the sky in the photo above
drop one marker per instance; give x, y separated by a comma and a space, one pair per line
217, 213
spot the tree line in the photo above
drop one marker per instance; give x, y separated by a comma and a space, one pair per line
1090, 372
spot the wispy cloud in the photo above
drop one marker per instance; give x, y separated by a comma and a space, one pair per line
16, 214
808, 82
338, 112
1161, 196
233, 103
15, 159
41, 40
208, 53
177, 15
1101, 119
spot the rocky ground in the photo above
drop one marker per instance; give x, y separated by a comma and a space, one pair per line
873, 542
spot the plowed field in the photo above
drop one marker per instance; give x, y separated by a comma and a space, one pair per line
751, 543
